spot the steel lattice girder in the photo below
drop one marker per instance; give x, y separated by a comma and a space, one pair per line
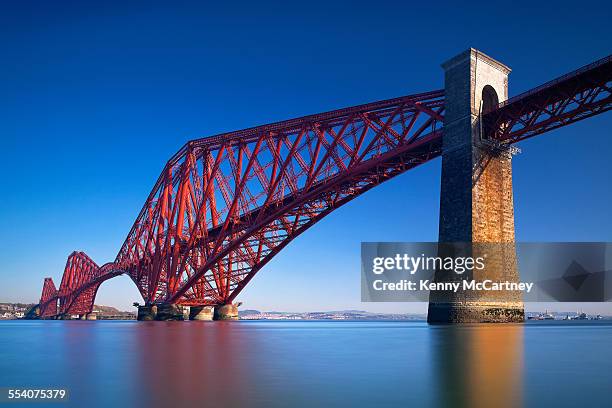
48, 299
77, 292
568, 99
225, 205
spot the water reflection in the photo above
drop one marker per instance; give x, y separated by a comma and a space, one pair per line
478, 365
187, 364
306, 364
278, 364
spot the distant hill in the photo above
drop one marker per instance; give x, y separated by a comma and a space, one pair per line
103, 312
10, 311
15, 306
328, 315
109, 310
248, 312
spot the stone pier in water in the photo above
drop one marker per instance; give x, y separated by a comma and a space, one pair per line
476, 204
166, 311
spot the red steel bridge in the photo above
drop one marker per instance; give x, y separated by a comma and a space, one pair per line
223, 206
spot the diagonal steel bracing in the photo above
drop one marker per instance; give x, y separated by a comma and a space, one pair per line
224, 205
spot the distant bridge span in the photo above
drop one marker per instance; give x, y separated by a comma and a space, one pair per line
224, 205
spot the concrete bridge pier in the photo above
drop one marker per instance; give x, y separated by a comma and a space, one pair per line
476, 201
168, 311
202, 313
147, 312
160, 311
226, 312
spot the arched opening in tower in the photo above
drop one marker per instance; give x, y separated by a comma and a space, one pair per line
489, 102
489, 99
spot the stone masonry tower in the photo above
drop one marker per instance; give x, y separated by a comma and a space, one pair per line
476, 204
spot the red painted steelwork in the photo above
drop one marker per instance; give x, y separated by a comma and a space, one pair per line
77, 292
568, 99
48, 299
225, 205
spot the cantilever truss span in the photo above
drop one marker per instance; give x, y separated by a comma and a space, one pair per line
223, 206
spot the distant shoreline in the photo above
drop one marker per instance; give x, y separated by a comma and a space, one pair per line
16, 311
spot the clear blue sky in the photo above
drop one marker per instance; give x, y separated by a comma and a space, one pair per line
94, 98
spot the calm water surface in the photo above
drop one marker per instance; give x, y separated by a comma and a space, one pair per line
310, 364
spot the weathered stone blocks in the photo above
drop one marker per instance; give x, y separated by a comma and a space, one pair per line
476, 203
